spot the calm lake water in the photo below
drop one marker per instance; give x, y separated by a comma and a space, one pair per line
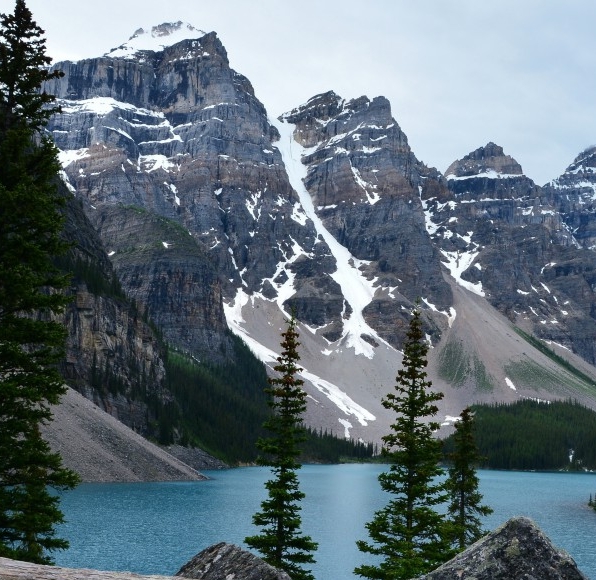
154, 528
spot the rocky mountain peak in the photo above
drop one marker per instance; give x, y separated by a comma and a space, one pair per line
574, 195
487, 161
322, 107
585, 161
155, 39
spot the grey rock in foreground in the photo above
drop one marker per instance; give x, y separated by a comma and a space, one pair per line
16, 570
228, 561
516, 550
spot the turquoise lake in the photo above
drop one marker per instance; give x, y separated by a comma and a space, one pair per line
154, 528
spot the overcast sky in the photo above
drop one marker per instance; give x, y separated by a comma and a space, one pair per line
458, 73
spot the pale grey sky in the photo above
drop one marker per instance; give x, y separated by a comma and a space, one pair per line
458, 73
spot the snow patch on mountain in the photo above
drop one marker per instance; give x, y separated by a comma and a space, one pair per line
236, 323
156, 38
372, 197
357, 290
457, 263
103, 106
489, 174
70, 156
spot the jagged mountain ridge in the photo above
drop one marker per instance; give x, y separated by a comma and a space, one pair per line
327, 211
518, 250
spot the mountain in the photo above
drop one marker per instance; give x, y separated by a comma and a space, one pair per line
214, 216
112, 353
574, 193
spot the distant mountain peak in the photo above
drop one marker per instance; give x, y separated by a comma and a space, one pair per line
487, 161
156, 38
585, 160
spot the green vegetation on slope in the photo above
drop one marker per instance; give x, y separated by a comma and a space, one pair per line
221, 408
454, 364
535, 435
581, 379
457, 366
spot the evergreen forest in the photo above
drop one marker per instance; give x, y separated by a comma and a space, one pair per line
222, 408
535, 435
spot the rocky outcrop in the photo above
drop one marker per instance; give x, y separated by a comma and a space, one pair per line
365, 183
228, 561
484, 161
574, 196
219, 562
502, 236
518, 549
16, 570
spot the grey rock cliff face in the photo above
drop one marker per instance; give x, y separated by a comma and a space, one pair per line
520, 250
366, 186
107, 339
518, 549
167, 271
180, 134
574, 196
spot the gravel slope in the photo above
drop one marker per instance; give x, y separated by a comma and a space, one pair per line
101, 449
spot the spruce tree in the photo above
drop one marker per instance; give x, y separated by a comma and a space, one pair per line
31, 341
281, 542
465, 507
409, 533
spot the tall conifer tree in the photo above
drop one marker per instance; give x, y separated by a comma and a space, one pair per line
465, 507
281, 542
409, 533
31, 343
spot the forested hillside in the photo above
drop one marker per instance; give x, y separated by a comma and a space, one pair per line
539, 435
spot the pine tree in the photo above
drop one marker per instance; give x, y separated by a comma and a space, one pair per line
280, 542
31, 343
465, 506
408, 532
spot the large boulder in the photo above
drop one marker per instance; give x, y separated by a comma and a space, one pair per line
518, 549
230, 562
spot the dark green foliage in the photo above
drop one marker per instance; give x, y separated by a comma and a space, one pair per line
23, 63
89, 272
280, 542
219, 408
323, 447
28, 511
465, 507
409, 533
535, 435
31, 344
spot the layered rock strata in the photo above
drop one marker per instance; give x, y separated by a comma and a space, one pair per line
502, 237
